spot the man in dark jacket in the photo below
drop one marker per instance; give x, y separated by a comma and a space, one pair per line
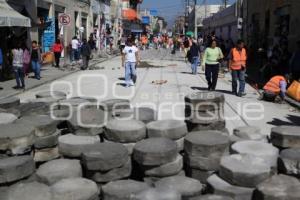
194, 56
86, 53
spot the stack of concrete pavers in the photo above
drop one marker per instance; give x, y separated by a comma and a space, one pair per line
175, 130
287, 138
158, 194
72, 146
126, 132
53, 171
123, 189
106, 162
202, 153
205, 111
278, 187
87, 122
143, 114
263, 150
13, 169
157, 158
46, 136
187, 187
114, 107
247, 133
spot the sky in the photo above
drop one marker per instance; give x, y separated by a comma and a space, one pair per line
169, 9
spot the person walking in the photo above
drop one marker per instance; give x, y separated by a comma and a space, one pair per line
36, 60
75, 45
195, 56
237, 65
211, 64
130, 58
17, 53
57, 49
86, 54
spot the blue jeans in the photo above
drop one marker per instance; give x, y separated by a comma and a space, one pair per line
129, 72
74, 55
238, 75
36, 67
19, 75
195, 63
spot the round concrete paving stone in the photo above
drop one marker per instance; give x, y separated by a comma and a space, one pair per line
34, 108
286, 136
123, 189
56, 170
219, 125
75, 189
248, 133
158, 194
172, 129
168, 169
143, 114
128, 146
17, 137
125, 131
211, 197
7, 118
11, 102
104, 156
155, 151
202, 101
151, 180
112, 175
47, 154
52, 94
114, 104
266, 151
13, 111
47, 141
210, 163
220, 187
180, 144
16, 168
244, 170
278, 187
205, 117
206, 143
29, 191
187, 187
198, 174
76, 102
88, 122
289, 162
72, 145
44, 125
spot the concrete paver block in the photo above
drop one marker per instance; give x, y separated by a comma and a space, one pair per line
266, 151
11, 102
172, 129
201, 175
286, 136
47, 141
123, 189
278, 187
155, 151
180, 144
7, 118
221, 187
210, 163
125, 131
158, 194
47, 154
244, 170
104, 156
187, 187
203, 101
114, 174
16, 168
73, 145
211, 197
56, 170
168, 169
205, 143
52, 94
289, 162
219, 125
29, 191
75, 189
248, 133
34, 108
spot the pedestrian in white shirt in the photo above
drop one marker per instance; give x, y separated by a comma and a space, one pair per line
130, 58
75, 45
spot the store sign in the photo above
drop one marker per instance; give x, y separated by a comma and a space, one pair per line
64, 19
49, 34
153, 12
146, 20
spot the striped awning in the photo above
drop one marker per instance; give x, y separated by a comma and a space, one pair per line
10, 17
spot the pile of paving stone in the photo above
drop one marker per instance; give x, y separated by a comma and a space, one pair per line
205, 111
103, 155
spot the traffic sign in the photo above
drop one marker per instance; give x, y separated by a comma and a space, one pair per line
64, 19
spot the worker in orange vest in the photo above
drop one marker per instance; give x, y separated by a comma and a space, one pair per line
237, 66
274, 88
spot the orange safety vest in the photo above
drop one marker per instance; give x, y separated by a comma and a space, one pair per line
273, 85
239, 59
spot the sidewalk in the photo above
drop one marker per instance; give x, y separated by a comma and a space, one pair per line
48, 74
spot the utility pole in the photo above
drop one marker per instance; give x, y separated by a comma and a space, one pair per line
196, 23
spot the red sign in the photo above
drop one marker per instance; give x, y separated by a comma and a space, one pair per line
64, 19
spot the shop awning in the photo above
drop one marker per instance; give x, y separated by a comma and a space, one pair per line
9, 17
